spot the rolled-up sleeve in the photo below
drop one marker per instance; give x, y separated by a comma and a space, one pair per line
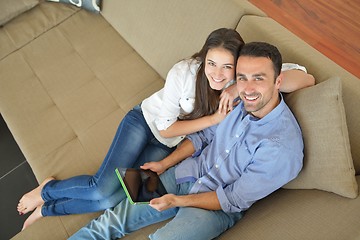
201, 139
271, 168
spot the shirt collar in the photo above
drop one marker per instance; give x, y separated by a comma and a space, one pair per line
271, 115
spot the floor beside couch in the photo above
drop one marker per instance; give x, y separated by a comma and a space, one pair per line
16, 178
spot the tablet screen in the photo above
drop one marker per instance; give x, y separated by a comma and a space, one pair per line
140, 185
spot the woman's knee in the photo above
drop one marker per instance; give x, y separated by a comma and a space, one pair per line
100, 191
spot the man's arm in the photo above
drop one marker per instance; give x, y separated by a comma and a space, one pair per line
207, 200
183, 151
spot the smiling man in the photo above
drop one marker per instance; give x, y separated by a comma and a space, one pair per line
258, 79
257, 149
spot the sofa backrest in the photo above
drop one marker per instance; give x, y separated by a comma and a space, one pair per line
149, 27
293, 49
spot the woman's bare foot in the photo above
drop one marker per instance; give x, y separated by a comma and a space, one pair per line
36, 215
32, 199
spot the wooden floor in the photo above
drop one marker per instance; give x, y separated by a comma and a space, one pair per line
330, 26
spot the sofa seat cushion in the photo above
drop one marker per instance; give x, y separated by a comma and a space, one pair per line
63, 95
299, 214
31, 24
73, 93
12, 8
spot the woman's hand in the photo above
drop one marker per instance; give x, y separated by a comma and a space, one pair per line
227, 98
217, 117
157, 167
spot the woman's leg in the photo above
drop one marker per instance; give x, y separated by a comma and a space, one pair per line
54, 207
131, 139
65, 206
153, 152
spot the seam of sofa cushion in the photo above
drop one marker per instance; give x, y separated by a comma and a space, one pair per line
43, 32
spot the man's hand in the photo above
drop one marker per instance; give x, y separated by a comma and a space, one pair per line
207, 200
165, 202
157, 167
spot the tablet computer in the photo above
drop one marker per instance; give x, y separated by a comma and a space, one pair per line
140, 185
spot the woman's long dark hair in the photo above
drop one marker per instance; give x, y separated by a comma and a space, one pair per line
206, 98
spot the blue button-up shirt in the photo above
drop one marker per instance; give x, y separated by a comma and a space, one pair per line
244, 158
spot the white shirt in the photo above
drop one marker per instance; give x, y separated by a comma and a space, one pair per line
177, 98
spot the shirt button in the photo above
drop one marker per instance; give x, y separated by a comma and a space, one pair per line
216, 166
227, 151
237, 135
199, 181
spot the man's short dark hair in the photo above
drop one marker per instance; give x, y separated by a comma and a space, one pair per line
263, 49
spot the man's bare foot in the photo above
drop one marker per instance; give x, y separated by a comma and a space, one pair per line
32, 199
36, 215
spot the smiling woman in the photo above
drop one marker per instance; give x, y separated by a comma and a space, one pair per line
219, 68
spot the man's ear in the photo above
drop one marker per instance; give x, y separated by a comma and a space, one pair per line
278, 80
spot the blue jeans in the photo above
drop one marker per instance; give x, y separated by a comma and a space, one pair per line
133, 145
188, 223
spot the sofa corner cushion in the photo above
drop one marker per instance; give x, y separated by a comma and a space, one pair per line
89, 5
12, 8
328, 163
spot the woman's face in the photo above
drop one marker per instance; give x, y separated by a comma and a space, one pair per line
219, 67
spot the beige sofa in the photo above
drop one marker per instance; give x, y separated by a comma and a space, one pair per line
68, 76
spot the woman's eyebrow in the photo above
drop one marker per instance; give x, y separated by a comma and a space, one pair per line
210, 60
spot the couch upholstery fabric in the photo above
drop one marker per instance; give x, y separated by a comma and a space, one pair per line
70, 76
12, 8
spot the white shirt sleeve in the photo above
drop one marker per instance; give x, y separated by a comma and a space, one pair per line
170, 106
292, 66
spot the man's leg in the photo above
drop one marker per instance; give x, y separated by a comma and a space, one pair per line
123, 219
196, 223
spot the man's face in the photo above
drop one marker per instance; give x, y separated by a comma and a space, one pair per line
256, 84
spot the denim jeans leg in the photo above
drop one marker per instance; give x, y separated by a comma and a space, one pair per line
123, 219
196, 223
77, 206
132, 137
153, 152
